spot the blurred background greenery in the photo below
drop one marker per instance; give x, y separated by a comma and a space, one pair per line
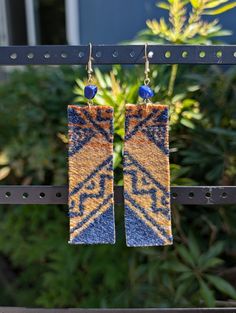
38, 267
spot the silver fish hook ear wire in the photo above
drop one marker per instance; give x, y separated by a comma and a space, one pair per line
90, 90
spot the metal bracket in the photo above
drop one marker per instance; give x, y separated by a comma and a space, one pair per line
195, 195
118, 54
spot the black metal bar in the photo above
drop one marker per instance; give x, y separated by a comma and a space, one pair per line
189, 195
114, 54
185, 310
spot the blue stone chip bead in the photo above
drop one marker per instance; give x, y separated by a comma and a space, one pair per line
90, 91
145, 92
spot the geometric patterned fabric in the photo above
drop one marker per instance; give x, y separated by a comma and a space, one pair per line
147, 176
90, 152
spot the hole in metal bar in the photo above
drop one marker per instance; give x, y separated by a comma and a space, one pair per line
115, 54
224, 195
191, 195
30, 55
58, 195
64, 55
81, 54
219, 54
174, 195
47, 55
207, 194
25, 195
235, 54
132, 54
150, 54
202, 54
7, 194
167, 54
42, 195
98, 54
13, 56
184, 54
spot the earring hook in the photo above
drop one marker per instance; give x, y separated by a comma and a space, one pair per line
147, 68
90, 61
145, 91
90, 90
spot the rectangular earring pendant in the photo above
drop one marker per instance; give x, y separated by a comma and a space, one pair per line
91, 201
147, 176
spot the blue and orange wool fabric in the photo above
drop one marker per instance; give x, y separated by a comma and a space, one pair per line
146, 176
91, 207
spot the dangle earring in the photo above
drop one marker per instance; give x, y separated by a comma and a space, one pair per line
146, 170
91, 200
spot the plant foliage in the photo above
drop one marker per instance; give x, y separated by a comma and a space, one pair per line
38, 267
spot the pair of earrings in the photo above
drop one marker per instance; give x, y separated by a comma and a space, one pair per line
146, 170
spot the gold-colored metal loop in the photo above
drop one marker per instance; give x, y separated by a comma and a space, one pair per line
90, 64
147, 81
90, 102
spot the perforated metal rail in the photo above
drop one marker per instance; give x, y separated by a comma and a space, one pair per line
114, 54
198, 195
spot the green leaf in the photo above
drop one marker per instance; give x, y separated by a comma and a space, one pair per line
221, 131
212, 263
222, 285
175, 266
183, 289
215, 249
207, 294
185, 255
221, 10
185, 276
178, 97
187, 123
193, 246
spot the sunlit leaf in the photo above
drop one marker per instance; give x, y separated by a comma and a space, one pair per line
214, 3
163, 5
3, 158
221, 10
4, 172
187, 123
195, 3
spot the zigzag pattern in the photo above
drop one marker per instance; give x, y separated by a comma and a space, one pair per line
146, 176
91, 209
